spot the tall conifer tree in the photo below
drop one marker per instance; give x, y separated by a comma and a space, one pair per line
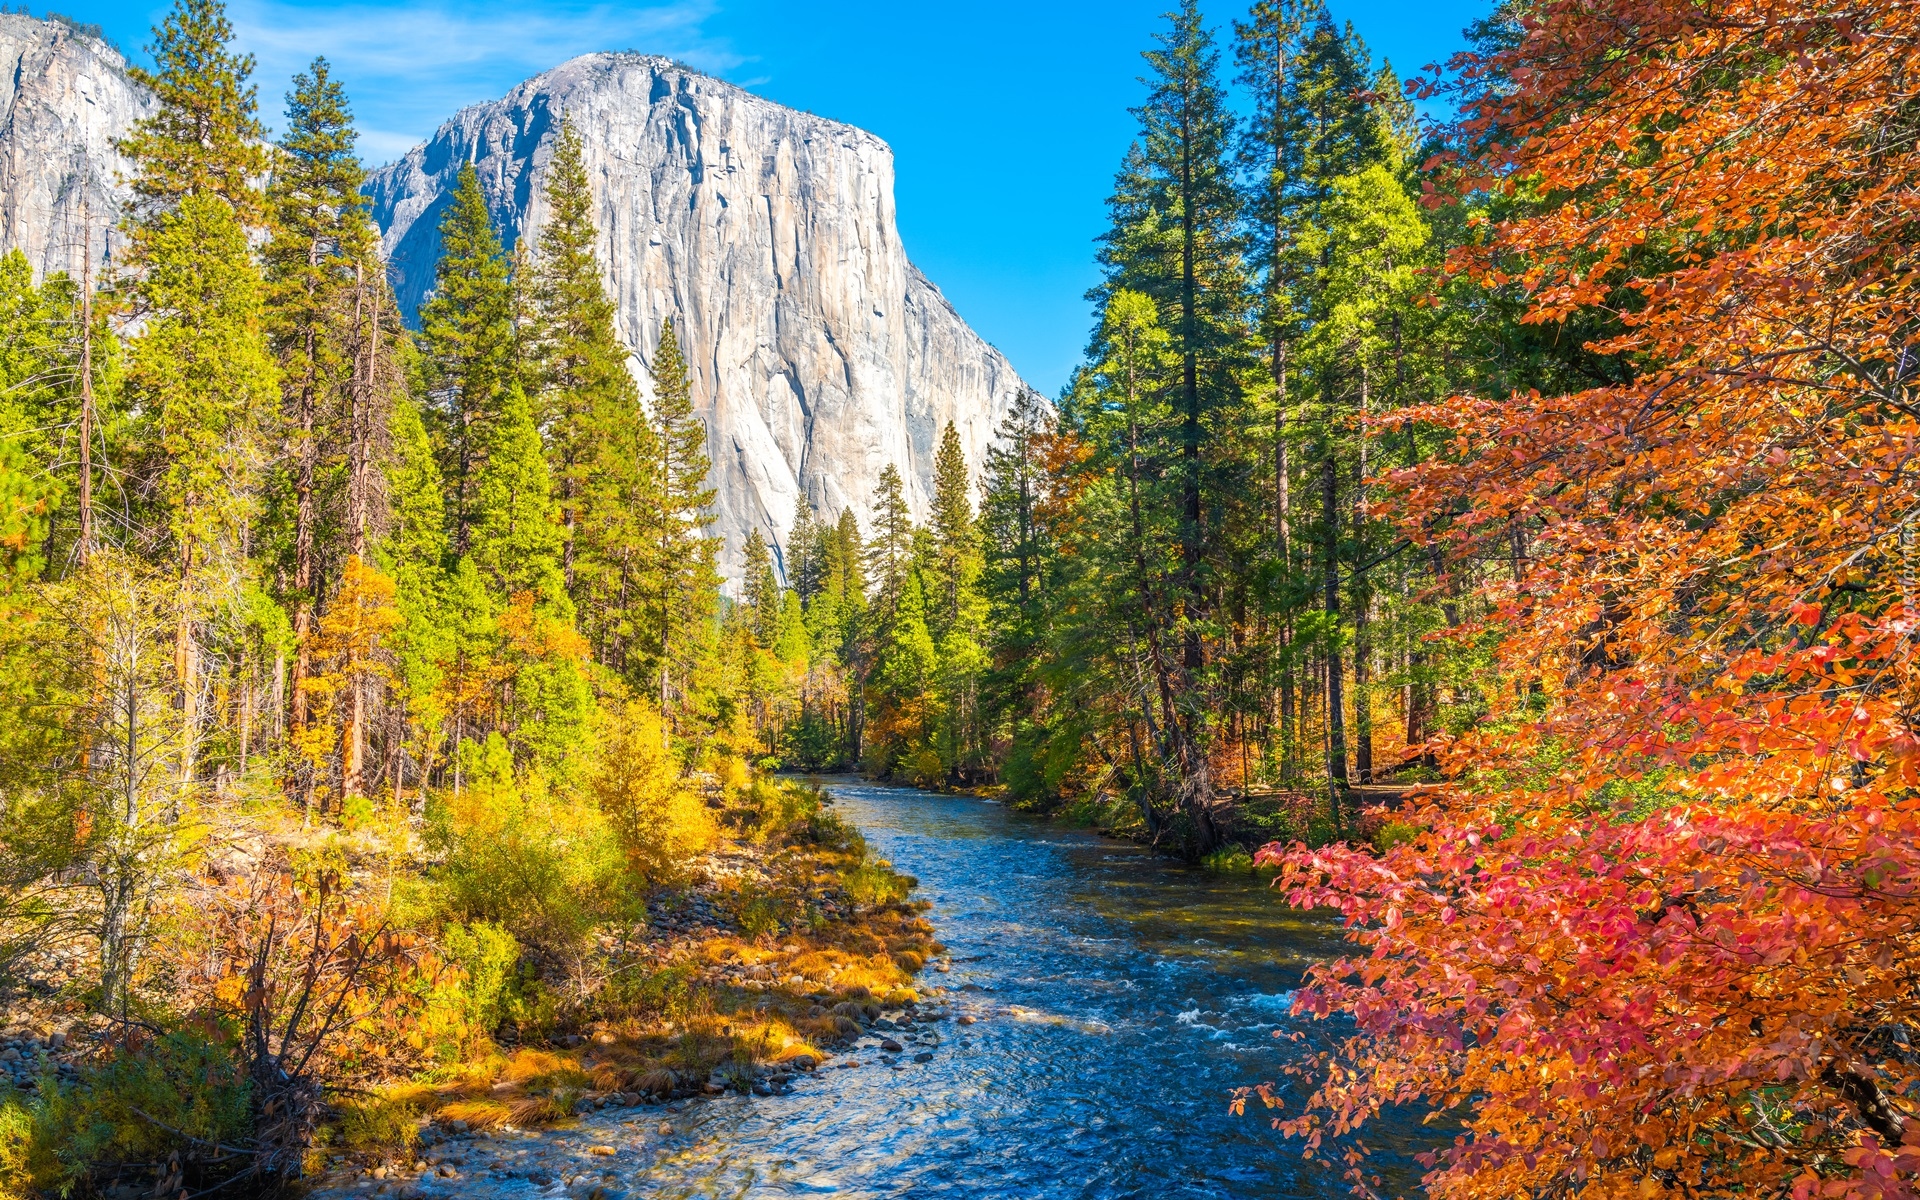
468, 343
1176, 238
319, 262
686, 580
199, 373
580, 380
956, 537
889, 552
205, 137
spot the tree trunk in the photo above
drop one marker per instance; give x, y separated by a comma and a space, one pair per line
1336, 704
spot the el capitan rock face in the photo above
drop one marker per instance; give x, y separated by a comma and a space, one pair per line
65, 99
819, 353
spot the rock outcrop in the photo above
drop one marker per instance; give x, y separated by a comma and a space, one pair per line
820, 354
65, 99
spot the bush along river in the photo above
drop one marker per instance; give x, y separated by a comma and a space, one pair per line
1097, 1009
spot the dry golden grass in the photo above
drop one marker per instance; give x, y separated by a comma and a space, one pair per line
478, 1114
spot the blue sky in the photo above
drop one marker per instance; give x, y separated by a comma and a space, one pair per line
1007, 117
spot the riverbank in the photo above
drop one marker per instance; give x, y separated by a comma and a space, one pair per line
783, 946
786, 944
1100, 1006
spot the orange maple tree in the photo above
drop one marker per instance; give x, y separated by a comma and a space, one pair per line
1661, 932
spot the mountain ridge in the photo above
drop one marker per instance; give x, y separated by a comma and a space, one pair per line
820, 354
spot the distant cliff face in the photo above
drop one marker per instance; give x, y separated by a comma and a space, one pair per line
820, 354
64, 100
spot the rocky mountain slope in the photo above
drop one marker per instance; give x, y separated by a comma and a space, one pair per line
820, 353
64, 100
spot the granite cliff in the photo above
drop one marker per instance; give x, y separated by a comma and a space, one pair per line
820, 353
64, 100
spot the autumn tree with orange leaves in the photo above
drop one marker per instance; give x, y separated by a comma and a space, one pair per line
1658, 933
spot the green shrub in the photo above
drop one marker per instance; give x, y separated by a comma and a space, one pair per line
1228, 859
182, 1092
16, 1146
873, 882
380, 1125
531, 858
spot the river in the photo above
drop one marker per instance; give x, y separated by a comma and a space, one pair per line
1119, 999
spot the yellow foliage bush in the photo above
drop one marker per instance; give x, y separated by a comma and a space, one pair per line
522, 854
657, 820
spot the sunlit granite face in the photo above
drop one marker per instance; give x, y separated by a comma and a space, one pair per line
820, 354
65, 100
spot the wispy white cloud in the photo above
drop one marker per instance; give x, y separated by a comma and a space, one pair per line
406, 69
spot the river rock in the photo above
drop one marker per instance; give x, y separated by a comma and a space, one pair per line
891, 1046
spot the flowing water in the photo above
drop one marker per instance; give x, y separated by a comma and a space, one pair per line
1119, 999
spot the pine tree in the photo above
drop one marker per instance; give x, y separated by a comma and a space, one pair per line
413, 553
803, 552
1176, 239
843, 560
956, 538
515, 541
204, 139
202, 379
761, 591
618, 545
467, 341
579, 369
320, 255
686, 580
889, 554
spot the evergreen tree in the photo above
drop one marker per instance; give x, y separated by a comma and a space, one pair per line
579, 369
686, 580
1176, 240
516, 542
201, 378
321, 262
204, 138
467, 342
844, 562
761, 591
414, 554
803, 552
619, 547
889, 554
955, 536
